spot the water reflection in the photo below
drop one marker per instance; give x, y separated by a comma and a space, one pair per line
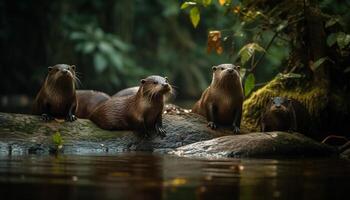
147, 176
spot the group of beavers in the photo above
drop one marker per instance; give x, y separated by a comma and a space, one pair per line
140, 108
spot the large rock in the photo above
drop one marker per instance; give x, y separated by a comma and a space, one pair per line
271, 144
21, 134
187, 135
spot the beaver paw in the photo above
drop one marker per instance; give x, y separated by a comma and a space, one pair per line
46, 117
71, 118
211, 125
236, 130
161, 132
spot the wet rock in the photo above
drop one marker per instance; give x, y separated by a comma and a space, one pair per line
22, 134
271, 144
187, 135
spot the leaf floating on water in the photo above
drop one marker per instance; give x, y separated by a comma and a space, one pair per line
214, 42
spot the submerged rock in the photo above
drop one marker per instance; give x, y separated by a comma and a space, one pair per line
270, 144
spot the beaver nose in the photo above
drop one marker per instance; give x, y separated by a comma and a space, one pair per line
165, 85
64, 71
278, 105
230, 70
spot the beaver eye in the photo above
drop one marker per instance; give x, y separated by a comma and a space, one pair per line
155, 82
221, 68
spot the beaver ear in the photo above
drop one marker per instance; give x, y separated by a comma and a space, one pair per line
214, 68
49, 68
238, 67
73, 67
166, 78
143, 81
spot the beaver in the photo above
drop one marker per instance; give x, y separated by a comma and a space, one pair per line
221, 103
128, 91
88, 101
284, 114
141, 111
57, 96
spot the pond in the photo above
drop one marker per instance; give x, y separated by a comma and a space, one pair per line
153, 176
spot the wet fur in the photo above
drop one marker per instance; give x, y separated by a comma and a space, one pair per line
88, 101
141, 111
225, 94
290, 116
57, 96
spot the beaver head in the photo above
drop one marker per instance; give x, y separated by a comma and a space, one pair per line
225, 75
155, 86
61, 75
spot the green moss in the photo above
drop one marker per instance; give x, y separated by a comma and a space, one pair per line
312, 96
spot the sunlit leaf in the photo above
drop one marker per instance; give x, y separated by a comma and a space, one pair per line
214, 42
100, 62
343, 39
195, 16
187, 4
206, 2
222, 2
236, 9
331, 39
290, 75
249, 84
318, 63
282, 25
248, 50
332, 21
57, 139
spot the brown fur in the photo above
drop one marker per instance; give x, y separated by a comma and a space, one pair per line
57, 97
88, 101
141, 111
221, 103
282, 114
126, 92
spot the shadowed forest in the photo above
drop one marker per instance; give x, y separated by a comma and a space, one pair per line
219, 81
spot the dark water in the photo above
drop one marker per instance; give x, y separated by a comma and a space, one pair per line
147, 176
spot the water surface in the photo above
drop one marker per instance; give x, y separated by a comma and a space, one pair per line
152, 176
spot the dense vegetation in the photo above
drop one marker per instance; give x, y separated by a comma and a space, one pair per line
115, 43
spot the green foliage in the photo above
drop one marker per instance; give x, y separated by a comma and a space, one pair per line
248, 50
318, 63
187, 4
57, 140
195, 16
106, 49
249, 84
